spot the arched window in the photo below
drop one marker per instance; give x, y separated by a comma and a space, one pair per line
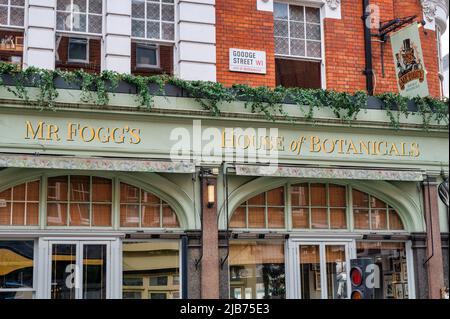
370, 213
139, 208
320, 206
265, 210
19, 205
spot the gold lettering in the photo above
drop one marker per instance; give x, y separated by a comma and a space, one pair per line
136, 136
365, 146
315, 141
324, 146
70, 131
415, 151
280, 143
341, 146
39, 132
121, 139
92, 133
353, 147
224, 139
394, 150
102, 139
52, 132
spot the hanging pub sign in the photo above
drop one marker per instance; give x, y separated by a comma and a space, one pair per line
409, 65
247, 61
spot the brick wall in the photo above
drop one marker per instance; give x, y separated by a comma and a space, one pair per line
240, 25
344, 48
94, 65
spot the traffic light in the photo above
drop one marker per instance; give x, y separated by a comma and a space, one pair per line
358, 278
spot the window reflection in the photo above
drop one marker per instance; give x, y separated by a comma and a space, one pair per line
391, 260
257, 270
16, 269
151, 270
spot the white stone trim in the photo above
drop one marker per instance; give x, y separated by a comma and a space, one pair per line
435, 12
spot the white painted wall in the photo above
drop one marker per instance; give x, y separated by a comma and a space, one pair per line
116, 49
40, 26
196, 40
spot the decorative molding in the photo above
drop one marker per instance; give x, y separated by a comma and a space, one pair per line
429, 9
333, 4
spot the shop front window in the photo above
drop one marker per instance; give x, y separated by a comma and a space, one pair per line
257, 270
390, 257
16, 269
151, 270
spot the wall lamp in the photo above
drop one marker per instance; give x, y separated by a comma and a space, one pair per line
211, 189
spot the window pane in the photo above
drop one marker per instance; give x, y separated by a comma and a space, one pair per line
336, 272
56, 214
95, 6
312, 15
309, 260
79, 5
16, 16
144, 262
282, 46
151, 216
337, 196
101, 190
390, 257
63, 21
281, 28
6, 194
318, 195
338, 219
296, 13
300, 218
149, 198
16, 266
80, 188
238, 218
4, 15
19, 192
5, 214
146, 56
63, 271
280, 10
297, 30
300, 195
168, 31
129, 215
79, 22
128, 193
256, 217
257, 269
395, 223
153, 10
63, 5
379, 219
138, 9
101, 215
79, 215
259, 200
275, 217
94, 271
78, 49
314, 49
360, 199
376, 203
32, 214
313, 32
319, 218
138, 28
361, 218
167, 13
32, 191
169, 218
275, 197
95, 24
18, 215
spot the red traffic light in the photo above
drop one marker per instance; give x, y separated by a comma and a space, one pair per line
356, 276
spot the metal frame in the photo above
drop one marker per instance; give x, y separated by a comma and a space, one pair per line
148, 46
79, 40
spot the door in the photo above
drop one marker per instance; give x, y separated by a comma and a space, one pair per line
319, 269
79, 270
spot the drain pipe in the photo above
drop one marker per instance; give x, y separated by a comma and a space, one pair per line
368, 71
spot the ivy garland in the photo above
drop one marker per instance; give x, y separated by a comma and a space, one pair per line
96, 89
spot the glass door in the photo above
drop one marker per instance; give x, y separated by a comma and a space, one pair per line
79, 270
319, 270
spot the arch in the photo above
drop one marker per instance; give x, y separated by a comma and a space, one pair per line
408, 210
168, 191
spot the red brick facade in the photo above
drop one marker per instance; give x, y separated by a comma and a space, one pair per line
239, 24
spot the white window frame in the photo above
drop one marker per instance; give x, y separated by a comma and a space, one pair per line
69, 60
160, 21
9, 6
149, 66
318, 5
87, 13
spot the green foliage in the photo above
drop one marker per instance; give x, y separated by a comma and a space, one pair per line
96, 89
